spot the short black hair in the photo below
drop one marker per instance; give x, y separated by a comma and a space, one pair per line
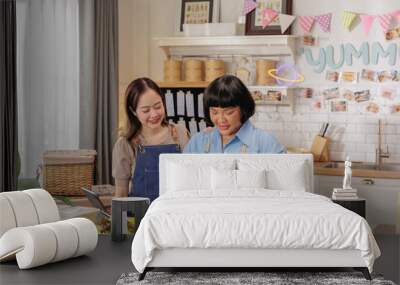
228, 91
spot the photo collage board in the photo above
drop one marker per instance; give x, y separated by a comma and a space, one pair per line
365, 91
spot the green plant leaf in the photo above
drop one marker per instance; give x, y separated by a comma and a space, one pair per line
64, 199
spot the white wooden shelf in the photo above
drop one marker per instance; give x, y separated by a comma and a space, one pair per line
204, 84
183, 84
275, 45
287, 98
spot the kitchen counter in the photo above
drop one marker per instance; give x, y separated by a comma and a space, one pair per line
319, 169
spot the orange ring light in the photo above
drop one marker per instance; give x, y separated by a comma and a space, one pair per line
272, 72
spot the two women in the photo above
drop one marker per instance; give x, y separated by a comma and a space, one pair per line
228, 106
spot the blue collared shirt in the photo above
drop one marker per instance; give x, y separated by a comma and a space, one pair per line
247, 140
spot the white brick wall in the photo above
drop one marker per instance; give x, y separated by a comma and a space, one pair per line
351, 133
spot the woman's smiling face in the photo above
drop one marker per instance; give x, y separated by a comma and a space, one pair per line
227, 120
150, 109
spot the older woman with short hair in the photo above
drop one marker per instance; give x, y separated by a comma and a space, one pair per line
228, 105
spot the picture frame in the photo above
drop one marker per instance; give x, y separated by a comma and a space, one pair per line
197, 12
253, 19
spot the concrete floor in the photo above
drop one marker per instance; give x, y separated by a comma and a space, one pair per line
102, 266
111, 259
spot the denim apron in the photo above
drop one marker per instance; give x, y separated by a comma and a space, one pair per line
145, 180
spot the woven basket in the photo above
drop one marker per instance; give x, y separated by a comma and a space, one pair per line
262, 68
193, 70
65, 172
172, 70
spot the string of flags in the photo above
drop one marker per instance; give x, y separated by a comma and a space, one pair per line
324, 21
269, 15
385, 20
306, 23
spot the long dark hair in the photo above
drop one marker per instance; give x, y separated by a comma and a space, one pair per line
228, 91
132, 94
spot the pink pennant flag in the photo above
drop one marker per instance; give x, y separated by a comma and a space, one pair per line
306, 22
396, 14
385, 20
324, 21
268, 16
249, 5
367, 21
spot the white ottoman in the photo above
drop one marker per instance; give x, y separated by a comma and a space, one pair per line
31, 232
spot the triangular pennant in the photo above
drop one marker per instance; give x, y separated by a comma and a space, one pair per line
367, 21
348, 19
285, 21
249, 5
268, 16
306, 22
385, 20
396, 14
324, 21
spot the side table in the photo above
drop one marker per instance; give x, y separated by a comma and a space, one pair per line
357, 205
119, 209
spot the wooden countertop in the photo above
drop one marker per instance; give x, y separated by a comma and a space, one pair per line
371, 173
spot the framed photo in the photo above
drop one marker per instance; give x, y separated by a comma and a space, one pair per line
332, 75
196, 12
362, 96
348, 77
332, 93
338, 106
253, 19
369, 75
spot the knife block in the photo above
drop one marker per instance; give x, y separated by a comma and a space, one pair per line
319, 149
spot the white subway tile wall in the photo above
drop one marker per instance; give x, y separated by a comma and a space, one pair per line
351, 133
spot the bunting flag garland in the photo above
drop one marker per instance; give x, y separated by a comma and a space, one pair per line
385, 20
285, 21
268, 16
306, 22
348, 19
249, 5
324, 21
367, 21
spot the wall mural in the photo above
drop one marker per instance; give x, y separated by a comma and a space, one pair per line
345, 54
